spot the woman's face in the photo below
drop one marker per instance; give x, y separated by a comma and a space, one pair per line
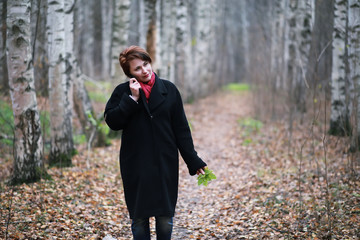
140, 69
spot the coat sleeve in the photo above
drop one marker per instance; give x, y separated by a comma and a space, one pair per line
119, 108
183, 137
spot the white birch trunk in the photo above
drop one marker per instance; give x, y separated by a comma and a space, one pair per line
4, 83
339, 119
354, 60
292, 47
182, 48
28, 145
143, 24
305, 16
297, 42
62, 146
120, 35
245, 35
165, 60
87, 40
107, 16
39, 43
201, 68
220, 42
78, 95
320, 53
277, 51
150, 27
70, 59
284, 73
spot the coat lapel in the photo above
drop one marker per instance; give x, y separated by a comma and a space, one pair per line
158, 94
143, 99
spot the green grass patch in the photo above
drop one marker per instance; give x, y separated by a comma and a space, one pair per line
6, 119
249, 127
79, 139
98, 97
247, 141
237, 87
98, 92
45, 123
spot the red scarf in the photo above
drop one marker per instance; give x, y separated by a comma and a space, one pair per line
146, 87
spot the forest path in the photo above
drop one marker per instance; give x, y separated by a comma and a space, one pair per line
207, 212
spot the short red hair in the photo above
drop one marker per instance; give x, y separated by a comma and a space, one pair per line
132, 53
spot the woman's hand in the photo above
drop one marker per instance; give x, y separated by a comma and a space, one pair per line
135, 88
200, 171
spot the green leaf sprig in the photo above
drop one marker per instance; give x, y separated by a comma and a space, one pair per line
206, 178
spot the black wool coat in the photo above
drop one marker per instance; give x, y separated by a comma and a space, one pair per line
152, 135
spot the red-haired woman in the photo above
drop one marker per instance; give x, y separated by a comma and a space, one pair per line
150, 113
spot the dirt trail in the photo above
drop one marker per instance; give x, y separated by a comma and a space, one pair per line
200, 210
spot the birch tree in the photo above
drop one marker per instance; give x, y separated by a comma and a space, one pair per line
182, 47
298, 45
84, 36
166, 40
78, 97
277, 52
245, 36
69, 57
201, 42
260, 55
320, 54
340, 92
107, 8
62, 145
39, 44
354, 63
28, 145
120, 34
150, 27
4, 83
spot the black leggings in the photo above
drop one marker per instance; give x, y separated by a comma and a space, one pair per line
141, 228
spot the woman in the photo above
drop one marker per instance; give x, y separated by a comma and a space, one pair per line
150, 113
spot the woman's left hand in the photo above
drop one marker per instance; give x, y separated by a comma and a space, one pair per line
200, 171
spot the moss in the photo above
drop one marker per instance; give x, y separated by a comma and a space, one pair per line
61, 160
340, 127
38, 174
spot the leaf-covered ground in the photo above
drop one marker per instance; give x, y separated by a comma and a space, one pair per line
264, 188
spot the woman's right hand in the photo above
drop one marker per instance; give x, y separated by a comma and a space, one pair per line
135, 88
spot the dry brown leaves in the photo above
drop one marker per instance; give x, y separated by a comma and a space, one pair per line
264, 189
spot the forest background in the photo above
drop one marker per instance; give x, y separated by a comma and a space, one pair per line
300, 58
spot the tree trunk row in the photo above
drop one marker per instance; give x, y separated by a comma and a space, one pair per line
309, 56
288, 50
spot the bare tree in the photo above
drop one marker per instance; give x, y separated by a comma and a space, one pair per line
4, 83
28, 155
298, 40
89, 59
165, 60
150, 15
277, 53
39, 46
107, 12
320, 55
340, 92
354, 65
120, 35
182, 47
62, 146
